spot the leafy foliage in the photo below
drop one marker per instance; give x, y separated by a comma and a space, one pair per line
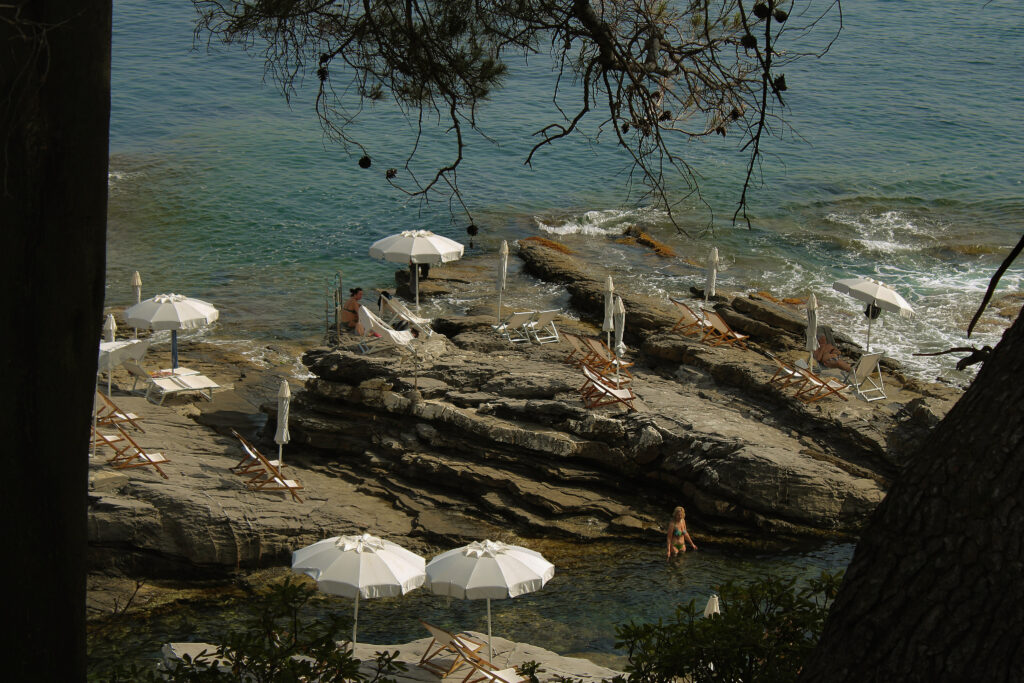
765, 632
276, 645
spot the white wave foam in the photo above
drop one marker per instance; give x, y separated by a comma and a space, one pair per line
603, 222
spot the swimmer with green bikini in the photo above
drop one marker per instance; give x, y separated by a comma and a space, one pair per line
677, 533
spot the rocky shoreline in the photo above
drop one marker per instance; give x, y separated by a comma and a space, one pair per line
479, 438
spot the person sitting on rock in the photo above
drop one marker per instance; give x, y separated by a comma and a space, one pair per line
829, 356
677, 533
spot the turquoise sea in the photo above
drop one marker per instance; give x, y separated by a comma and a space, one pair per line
905, 162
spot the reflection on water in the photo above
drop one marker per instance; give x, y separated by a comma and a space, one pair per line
595, 588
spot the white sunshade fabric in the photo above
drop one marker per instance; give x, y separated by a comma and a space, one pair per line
365, 566
873, 292
171, 312
416, 246
488, 569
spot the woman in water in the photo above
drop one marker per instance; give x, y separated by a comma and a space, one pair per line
350, 309
677, 533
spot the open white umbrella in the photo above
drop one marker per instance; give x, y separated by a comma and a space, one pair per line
812, 329
709, 287
363, 566
489, 570
609, 309
137, 290
416, 246
171, 312
878, 296
502, 273
281, 436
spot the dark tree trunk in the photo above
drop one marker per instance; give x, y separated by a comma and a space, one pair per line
935, 591
54, 111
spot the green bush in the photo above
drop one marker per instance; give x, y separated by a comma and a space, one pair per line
764, 633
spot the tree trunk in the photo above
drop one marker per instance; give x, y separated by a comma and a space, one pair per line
54, 116
935, 591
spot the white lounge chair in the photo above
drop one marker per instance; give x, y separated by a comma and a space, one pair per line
399, 311
444, 643
176, 384
862, 377
377, 333
541, 328
514, 327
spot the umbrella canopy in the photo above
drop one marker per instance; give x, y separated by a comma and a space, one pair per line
281, 436
609, 309
709, 287
812, 329
502, 273
620, 326
416, 246
360, 566
171, 312
877, 295
488, 570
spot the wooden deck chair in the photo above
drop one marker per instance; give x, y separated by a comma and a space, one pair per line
785, 374
862, 377
442, 644
114, 441
250, 465
579, 352
397, 310
271, 479
513, 328
597, 391
482, 671
134, 455
605, 360
817, 388
108, 414
541, 328
720, 333
690, 322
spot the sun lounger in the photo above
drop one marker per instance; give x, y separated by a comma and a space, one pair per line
377, 334
399, 311
444, 643
482, 671
720, 333
597, 391
133, 455
541, 328
108, 414
604, 360
862, 377
816, 387
176, 384
250, 465
270, 477
690, 322
579, 352
514, 327
785, 374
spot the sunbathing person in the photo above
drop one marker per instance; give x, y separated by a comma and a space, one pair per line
829, 356
350, 310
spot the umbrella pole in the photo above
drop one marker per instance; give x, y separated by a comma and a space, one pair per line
355, 623
94, 416
416, 283
499, 307
869, 333
110, 372
174, 349
490, 649
280, 455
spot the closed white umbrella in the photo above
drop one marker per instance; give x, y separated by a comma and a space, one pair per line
620, 326
109, 330
877, 295
363, 566
171, 312
709, 287
812, 329
416, 246
609, 309
281, 436
502, 273
712, 607
488, 570
137, 290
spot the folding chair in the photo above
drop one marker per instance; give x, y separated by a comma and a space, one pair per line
690, 323
514, 327
133, 456
542, 327
720, 333
580, 353
862, 377
399, 311
109, 415
816, 387
250, 465
482, 671
597, 391
114, 442
604, 359
386, 336
442, 643
271, 478
785, 374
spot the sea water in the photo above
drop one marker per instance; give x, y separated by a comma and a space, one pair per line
905, 163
